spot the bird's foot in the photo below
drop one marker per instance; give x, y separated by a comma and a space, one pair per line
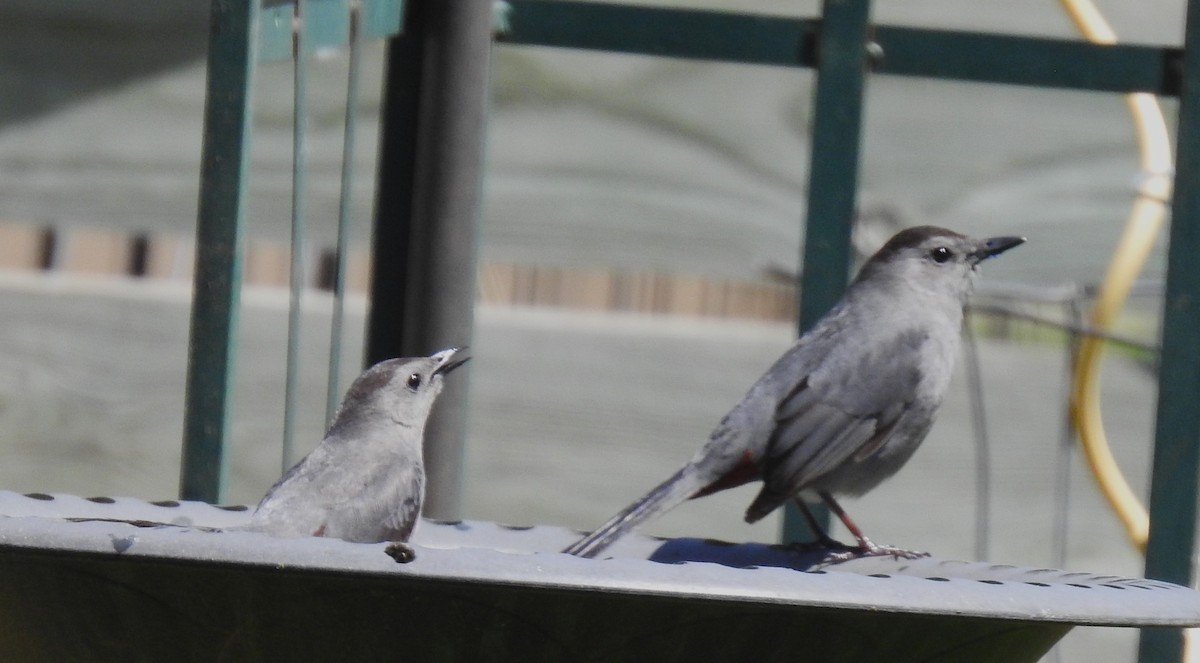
868, 548
836, 552
401, 552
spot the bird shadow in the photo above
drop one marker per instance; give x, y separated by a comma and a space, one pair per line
798, 557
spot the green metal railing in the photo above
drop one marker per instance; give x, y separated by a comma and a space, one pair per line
842, 45
220, 249
243, 35
1177, 427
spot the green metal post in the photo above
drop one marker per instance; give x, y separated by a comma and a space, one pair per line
833, 174
1177, 429
219, 248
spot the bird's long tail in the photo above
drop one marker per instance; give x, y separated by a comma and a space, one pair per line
669, 494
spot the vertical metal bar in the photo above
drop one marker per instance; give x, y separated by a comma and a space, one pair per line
833, 173
395, 190
296, 272
1060, 530
1177, 429
219, 248
1066, 444
333, 389
423, 288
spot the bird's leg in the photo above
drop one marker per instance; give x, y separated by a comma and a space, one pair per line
866, 547
865, 544
823, 539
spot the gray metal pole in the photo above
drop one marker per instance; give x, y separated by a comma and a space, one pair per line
428, 207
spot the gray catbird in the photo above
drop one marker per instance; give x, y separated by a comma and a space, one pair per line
365, 481
847, 405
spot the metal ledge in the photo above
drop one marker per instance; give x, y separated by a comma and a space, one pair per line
485, 591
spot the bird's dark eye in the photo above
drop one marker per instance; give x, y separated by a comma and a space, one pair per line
941, 254
414, 381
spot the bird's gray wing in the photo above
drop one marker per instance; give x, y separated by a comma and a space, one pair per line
842, 411
813, 437
327, 480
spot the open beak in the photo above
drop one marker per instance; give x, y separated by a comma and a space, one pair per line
451, 358
995, 246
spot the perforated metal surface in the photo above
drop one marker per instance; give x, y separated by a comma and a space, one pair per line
481, 552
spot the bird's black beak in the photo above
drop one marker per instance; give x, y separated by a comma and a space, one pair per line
994, 247
453, 358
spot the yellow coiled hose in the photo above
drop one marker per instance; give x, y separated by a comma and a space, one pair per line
1141, 230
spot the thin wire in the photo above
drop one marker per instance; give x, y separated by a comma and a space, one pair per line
1080, 328
299, 121
1059, 535
983, 455
1066, 445
333, 389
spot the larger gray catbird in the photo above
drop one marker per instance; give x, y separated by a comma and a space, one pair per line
365, 481
847, 405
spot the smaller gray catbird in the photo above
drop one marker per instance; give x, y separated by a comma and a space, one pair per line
366, 480
847, 405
